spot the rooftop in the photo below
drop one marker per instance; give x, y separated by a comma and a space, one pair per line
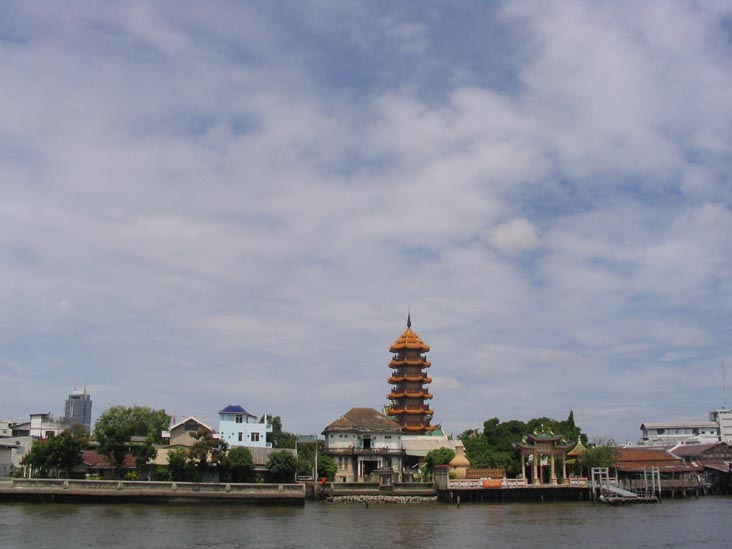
366, 420
235, 409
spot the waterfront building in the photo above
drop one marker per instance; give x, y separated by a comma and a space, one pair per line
723, 419
78, 409
363, 442
6, 428
409, 380
541, 450
634, 460
685, 432
43, 425
181, 433
237, 427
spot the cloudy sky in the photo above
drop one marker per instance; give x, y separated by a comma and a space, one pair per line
210, 203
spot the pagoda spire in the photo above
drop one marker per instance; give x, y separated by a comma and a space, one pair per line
409, 319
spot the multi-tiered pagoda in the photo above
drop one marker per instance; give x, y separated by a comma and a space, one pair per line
409, 379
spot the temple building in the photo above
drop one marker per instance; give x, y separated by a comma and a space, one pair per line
409, 379
542, 450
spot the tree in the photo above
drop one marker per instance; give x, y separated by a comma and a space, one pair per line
140, 421
118, 424
282, 466
603, 452
37, 458
279, 438
441, 456
61, 453
306, 458
241, 464
144, 453
208, 453
178, 469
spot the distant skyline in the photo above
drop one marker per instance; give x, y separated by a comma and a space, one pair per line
237, 203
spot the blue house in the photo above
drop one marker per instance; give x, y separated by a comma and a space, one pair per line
240, 428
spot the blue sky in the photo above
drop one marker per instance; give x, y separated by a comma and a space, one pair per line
227, 202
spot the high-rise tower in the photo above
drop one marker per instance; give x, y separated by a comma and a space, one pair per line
78, 409
409, 379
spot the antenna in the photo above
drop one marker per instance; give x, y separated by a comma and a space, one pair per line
724, 386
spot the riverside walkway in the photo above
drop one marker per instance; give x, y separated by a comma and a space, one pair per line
112, 491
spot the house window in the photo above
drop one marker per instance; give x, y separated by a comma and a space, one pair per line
387, 437
241, 437
191, 425
239, 418
255, 437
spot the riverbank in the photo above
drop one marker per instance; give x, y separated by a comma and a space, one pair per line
110, 491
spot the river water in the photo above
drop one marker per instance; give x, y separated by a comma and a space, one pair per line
706, 522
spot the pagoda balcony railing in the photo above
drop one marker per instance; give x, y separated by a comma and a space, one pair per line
410, 408
421, 378
422, 362
357, 451
408, 394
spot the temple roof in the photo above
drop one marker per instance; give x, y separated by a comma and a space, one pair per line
363, 420
409, 340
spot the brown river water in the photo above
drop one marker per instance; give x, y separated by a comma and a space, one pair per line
704, 522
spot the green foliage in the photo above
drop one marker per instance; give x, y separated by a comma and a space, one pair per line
496, 445
603, 452
241, 464
441, 456
282, 466
178, 465
58, 454
306, 458
144, 453
139, 421
279, 437
118, 424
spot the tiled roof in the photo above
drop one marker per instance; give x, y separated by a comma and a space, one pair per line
235, 409
364, 420
684, 450
101, 461
645, 454
409, 340
634, 460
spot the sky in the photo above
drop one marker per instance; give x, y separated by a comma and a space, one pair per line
213, 203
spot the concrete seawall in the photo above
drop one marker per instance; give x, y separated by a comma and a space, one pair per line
110, 491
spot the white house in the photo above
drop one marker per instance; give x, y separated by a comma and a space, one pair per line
240, 428
363, 441
672, 433
44, 426
723, 419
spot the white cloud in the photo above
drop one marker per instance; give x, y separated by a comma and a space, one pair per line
214, 194
515, 236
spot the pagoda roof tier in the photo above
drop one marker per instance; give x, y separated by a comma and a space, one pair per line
421, 362
407, 394
422, 410
418, 428
424, 378
409, 340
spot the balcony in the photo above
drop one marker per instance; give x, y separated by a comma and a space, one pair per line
357, 451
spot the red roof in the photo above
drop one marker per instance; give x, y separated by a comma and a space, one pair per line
101, 461
634, 460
